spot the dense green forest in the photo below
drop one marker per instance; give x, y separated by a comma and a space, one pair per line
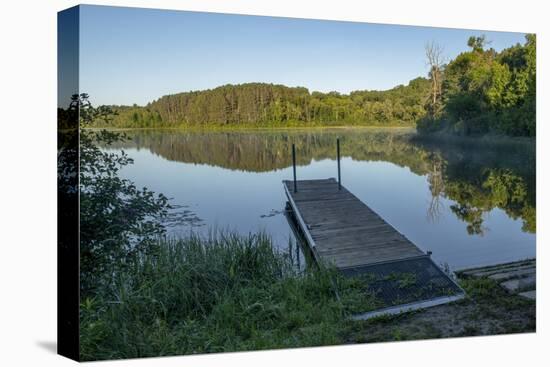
261, 104
480, 91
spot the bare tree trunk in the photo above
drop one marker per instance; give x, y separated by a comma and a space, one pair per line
434, 56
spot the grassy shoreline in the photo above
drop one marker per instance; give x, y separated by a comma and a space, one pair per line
237, 293
228, 293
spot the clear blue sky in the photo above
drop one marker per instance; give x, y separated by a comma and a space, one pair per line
131, 55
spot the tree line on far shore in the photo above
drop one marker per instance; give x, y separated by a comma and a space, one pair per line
480, 91
262, 104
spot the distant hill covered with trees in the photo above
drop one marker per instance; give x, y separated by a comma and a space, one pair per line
262, 104
480, 91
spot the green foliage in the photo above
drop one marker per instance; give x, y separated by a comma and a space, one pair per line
260, 104
226, 293
485, 91
477, 43
118, 221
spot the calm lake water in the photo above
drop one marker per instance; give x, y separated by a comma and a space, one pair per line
471, 203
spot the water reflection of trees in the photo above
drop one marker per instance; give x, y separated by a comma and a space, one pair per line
436, 180
480, 176
477, 176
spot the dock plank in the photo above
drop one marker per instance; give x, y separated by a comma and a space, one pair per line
343, 229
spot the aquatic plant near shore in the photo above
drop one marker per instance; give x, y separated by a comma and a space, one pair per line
225, 293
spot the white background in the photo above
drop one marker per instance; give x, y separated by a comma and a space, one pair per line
28, 182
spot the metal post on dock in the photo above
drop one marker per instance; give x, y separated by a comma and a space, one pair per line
294, 166
338, 159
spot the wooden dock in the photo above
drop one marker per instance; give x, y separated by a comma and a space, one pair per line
342, 230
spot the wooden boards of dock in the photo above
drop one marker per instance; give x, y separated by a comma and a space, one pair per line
343, 231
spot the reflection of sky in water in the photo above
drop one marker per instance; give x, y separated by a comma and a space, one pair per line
243, 201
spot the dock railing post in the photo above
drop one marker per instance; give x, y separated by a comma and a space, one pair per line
338, 159
294, 166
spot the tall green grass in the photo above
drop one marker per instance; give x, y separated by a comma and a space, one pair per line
224, 293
